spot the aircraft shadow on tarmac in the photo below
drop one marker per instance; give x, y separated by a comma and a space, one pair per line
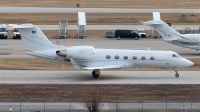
106, 76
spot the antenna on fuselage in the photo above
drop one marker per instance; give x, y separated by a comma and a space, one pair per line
148, 49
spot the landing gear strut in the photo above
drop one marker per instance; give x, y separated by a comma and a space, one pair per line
176, 75
96, 73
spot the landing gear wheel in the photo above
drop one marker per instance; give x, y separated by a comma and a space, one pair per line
176, 75
96, 73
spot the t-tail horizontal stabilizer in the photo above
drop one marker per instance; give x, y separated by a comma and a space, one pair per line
166, 32
26, 26
33, 38
156, 20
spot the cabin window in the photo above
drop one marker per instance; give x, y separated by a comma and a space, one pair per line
151, 58
173, 55
134, 57
176, 56
116, 57
179, 56
108, 56
143, 57
125, 57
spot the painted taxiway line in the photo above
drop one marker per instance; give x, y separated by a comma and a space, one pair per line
106, 77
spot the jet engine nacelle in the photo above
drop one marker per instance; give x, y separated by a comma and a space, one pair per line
77, 52
81, 52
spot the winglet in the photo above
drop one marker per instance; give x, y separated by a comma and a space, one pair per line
156, 16
148, 49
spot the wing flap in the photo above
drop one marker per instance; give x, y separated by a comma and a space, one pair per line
181, 42
106, 67
74, 64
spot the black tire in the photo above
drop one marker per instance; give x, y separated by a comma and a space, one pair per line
96, 76
136, 38
176, 75
93, 73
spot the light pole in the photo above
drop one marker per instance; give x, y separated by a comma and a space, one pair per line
20, 96
117, 102
70, 101
44, 101
166, 101
142, 102
191, 102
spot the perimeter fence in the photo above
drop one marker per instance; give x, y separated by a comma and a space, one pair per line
118, 101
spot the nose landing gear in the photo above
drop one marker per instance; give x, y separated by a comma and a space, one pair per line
176, 75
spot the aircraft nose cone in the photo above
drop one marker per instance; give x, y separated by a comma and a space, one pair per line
188, 63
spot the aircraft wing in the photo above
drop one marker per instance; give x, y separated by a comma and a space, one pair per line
105, 67
75, 65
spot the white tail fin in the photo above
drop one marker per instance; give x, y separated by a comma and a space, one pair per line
167, 32
32, 37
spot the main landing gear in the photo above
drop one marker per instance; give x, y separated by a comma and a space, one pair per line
176, 75
96, 73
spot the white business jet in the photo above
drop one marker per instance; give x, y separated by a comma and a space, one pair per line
170, 35
89, 58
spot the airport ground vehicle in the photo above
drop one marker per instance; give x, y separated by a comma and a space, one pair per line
142, 33
126, 33
16, 34
110, 34
3, 31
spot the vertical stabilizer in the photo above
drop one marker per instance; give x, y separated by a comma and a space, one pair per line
33, 38
167, 32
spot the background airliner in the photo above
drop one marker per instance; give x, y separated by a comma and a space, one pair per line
89, 58
170, 35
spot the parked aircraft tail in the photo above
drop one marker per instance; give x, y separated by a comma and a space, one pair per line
167, 32
33, 38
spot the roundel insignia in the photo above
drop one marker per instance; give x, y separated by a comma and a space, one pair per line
81, 51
